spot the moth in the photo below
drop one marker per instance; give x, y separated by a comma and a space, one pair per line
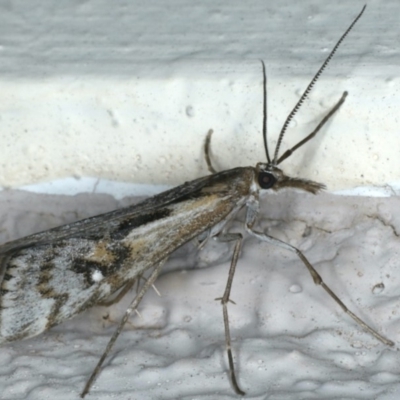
51, 276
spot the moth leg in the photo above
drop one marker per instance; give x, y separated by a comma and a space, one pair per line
201, 240
228, 237
119, 296
207, 152
153, 285
134, 304
250, 220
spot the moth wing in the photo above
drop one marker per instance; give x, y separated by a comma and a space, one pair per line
104, 222
51, 276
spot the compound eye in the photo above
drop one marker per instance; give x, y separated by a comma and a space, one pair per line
266, 180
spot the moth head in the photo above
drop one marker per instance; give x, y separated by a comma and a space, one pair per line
270, 177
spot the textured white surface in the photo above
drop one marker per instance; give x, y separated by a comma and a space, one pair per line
291, 341
127, 92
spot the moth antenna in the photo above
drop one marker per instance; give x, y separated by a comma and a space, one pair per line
324, 120
264, 128
310, 86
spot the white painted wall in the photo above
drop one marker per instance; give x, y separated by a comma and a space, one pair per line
127, 92
96, 95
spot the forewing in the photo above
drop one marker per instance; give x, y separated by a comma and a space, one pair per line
51, 276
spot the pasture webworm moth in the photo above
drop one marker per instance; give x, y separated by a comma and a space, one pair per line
51, 276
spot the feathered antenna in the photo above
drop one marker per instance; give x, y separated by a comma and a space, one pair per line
305, 94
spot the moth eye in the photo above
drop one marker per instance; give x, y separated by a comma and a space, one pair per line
266, 180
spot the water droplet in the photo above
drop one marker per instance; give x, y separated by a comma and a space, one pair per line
378, 288
189, 111
295, 289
